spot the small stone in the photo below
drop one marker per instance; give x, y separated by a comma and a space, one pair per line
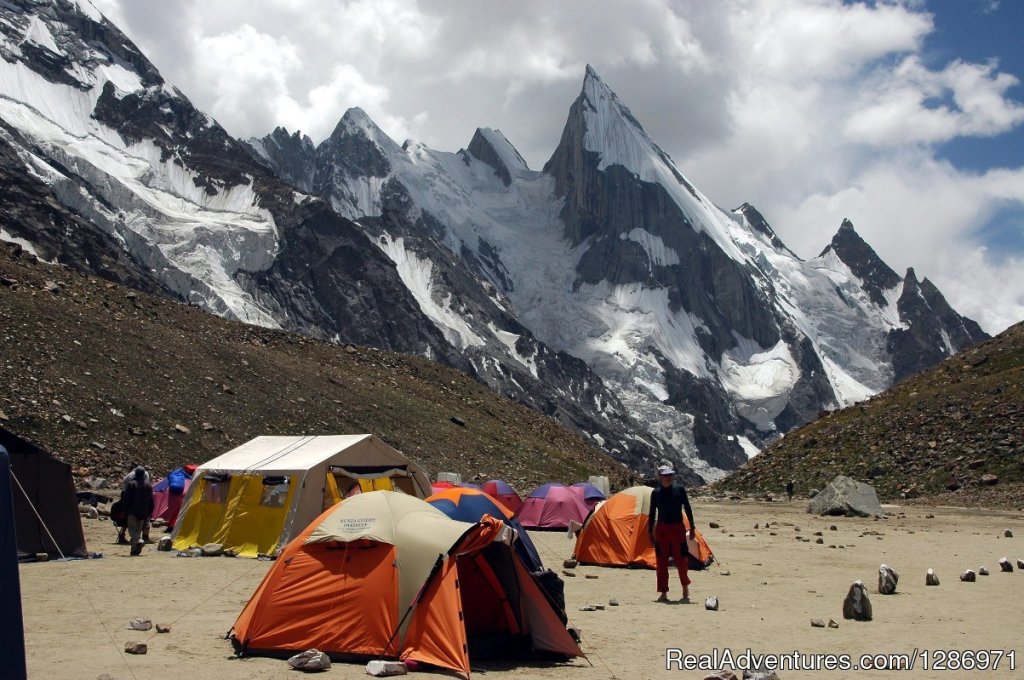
42, 557
588, 608
983, 571
713, 525
1004, 565
592, 576
817, 533
711, 604
140, 624
833, 528
314, 660
887, 580
207, 427
458, 421
818, 623
163, 628
599, 607
1020, 564
164, 544
570, 564
856, 605
1007, 533
725, 572
570, 574
613, 602
721, 675
931, 579
182, 429
832, 623
135, 648
969, 576
212, 550
819, 541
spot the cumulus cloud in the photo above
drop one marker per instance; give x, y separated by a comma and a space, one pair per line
813, 110
906, 105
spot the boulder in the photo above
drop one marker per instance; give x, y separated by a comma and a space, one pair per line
969, 576
380, 668
164, 544
711, 604
856, 605
310, 660
818, 623
832, 623
1004, 565
163, 628
930, 579
846, 496
570, 564
887, 580
983, 571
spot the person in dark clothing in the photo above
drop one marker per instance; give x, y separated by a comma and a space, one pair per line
667, 531
137, 500
789, 490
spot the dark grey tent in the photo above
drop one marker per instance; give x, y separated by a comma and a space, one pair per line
48, 484
12, 642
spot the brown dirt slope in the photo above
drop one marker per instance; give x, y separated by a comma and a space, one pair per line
103, 375
953, 434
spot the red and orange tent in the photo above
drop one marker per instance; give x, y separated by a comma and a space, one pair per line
386, 575
616, 535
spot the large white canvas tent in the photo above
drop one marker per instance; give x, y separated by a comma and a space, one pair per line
257, 497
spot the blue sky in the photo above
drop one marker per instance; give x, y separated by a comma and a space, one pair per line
905, 116
979, 30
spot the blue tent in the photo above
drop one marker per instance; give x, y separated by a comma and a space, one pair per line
469, 505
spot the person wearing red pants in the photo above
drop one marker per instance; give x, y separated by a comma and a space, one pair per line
667, 531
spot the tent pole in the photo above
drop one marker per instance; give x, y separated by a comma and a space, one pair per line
12, 642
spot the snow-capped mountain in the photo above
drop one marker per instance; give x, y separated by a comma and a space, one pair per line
605, 290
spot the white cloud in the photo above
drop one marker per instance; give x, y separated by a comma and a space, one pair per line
895, 111
813, 110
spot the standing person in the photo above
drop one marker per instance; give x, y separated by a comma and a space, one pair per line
137, 499
789, 490
119, 520
667, 531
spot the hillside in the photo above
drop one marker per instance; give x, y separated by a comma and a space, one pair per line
935, 435
104, 375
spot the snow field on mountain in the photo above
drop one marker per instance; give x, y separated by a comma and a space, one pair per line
209, 237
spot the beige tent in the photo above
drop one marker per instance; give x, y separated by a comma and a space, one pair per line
257, 497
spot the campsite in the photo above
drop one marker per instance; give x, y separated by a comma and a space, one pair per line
77, 613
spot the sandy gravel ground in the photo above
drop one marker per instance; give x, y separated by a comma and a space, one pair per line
776, 585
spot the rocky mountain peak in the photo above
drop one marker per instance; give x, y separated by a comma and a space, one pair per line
863, 261
494, 149
356, 122
757, 221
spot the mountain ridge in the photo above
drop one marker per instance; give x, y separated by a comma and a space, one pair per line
605, 290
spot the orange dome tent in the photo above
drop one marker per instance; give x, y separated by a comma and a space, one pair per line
384, 574
615, 534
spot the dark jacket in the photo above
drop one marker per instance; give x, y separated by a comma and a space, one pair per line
668, 504
137, 498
